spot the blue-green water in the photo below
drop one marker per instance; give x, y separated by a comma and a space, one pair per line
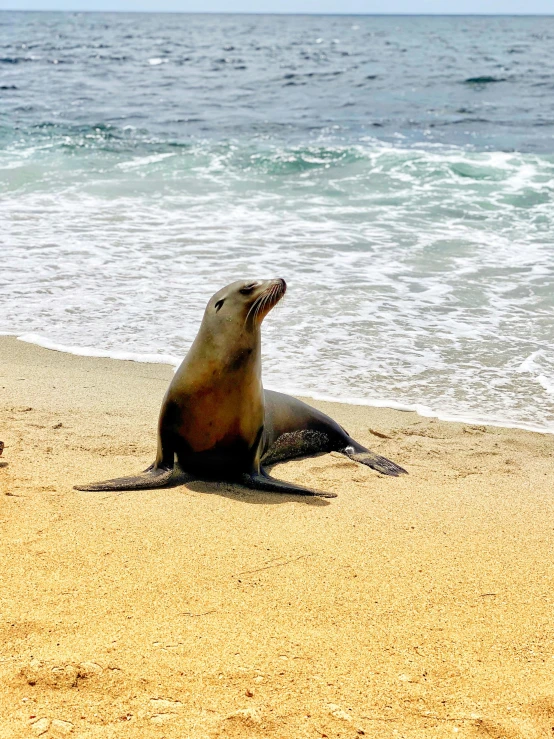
397, 172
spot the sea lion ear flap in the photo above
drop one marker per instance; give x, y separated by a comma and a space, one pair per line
218, 305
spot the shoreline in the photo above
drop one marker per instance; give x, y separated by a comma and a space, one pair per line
174, 361
419, 604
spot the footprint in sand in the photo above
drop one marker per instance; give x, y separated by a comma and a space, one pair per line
161, 718
56, 727
165, 703
58, 675
246, 722
61, 728
167, 715
40, 726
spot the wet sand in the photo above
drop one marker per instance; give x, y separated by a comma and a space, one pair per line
413, 607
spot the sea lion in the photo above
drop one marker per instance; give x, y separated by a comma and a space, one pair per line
218, 422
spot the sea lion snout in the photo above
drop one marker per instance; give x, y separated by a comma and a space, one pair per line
277, 287
266, 297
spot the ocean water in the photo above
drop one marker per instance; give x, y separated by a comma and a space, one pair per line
398, 172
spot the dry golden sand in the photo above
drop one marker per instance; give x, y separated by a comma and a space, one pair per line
412, 607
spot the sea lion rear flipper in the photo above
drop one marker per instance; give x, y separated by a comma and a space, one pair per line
262, 481
383, 465
153, 477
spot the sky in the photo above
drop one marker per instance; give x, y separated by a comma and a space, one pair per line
293, 6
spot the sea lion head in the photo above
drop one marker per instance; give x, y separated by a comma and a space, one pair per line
245, 303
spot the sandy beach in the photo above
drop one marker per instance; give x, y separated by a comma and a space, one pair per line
409, 607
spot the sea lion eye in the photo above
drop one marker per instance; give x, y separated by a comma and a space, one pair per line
247, 289
219, 304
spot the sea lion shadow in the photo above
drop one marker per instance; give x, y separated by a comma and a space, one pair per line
245, 495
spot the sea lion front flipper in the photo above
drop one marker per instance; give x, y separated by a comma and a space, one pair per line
153, 477
262, 481
375, 461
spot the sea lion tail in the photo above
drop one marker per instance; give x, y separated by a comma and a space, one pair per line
375, 461
153, 477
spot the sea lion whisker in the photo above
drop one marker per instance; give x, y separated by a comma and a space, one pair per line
258, 304
271, 297
250, 311
264, 302
254, 306
259, 307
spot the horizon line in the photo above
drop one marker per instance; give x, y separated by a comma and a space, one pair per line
279, 13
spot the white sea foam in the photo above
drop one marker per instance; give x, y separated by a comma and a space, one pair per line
142, 161
547, 383
421, 278
529, 364
83, 351
422, 410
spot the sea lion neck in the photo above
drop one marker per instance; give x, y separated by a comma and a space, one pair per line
223, 339
228, 353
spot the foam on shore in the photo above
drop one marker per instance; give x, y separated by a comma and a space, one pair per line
174, 361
